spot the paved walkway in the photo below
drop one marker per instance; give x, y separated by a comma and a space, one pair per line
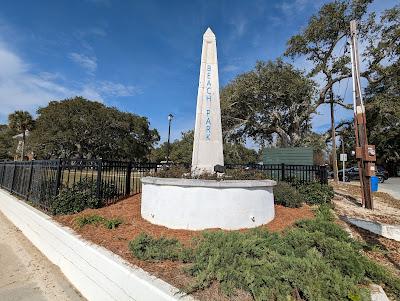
391, 186
25, 273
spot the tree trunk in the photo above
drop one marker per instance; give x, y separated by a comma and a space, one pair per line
23, 146
333, 133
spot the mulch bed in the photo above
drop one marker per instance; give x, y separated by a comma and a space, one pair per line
129, 211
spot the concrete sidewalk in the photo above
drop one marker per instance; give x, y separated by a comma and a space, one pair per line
391, 186
25, 273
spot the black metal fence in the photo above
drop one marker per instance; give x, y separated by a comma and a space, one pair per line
40, 181
285, 172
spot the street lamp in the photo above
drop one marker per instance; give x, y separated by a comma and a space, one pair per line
170, 116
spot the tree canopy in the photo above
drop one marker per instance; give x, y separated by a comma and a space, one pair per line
269, 100
383, 92
78, 128
7, 143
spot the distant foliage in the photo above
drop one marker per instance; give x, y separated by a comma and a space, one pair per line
287, 195
81, 195
315, 260
182, 172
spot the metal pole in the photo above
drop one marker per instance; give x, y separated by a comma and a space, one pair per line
170, 116
343, 162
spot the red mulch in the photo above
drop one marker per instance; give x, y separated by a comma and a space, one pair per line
129, 211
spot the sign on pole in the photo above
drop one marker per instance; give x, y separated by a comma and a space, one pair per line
343, 157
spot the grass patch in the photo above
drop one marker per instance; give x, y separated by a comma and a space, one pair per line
96, 220
315, 260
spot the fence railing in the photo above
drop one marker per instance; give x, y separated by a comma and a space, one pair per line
41, 181
286, 172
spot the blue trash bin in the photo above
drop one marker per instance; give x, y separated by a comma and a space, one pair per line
374, 183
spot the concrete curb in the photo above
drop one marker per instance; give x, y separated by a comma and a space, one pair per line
96, 272
385, 230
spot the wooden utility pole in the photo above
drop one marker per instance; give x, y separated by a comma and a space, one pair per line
333, 134
365, 153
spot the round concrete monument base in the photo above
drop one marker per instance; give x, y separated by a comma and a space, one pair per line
203, 204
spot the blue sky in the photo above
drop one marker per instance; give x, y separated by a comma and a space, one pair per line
140, 56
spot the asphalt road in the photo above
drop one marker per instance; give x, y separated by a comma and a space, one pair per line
26, 274
391, 186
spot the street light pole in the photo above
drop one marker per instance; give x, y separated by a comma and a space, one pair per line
170, 116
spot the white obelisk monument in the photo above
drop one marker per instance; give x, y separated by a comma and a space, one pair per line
207, 144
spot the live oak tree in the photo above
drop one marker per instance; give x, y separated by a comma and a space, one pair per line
78, 128
21, 122
383, 91
322, 42
271, 100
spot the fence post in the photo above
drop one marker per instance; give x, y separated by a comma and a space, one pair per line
128, 179
98, 186
13, 177
29, 181
58, 176
3, 170
323, 174
283, 172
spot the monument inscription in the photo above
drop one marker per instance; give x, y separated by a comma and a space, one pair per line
207, 144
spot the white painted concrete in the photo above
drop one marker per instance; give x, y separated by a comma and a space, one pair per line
207, 145
96, 272
385, 230
202, 204
377, 293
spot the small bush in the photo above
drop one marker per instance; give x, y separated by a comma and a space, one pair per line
146, 247
81, 221
81, 195
95, 219
316, 193
287, 195
112, 223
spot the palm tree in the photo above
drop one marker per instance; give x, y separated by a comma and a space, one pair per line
21, 121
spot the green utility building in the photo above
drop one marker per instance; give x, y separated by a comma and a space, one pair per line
289, 155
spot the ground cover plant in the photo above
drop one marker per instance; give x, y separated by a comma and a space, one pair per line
315, 260
95, 219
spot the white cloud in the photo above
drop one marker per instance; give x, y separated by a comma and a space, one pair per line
296, 7
23, 89
86, 62
230, 68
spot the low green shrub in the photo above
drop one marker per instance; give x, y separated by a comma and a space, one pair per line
146, 247
316, 193
95, 219
82, 195
287, 195
315, 260
112, 223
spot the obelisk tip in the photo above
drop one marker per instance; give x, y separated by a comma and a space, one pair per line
209, 33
